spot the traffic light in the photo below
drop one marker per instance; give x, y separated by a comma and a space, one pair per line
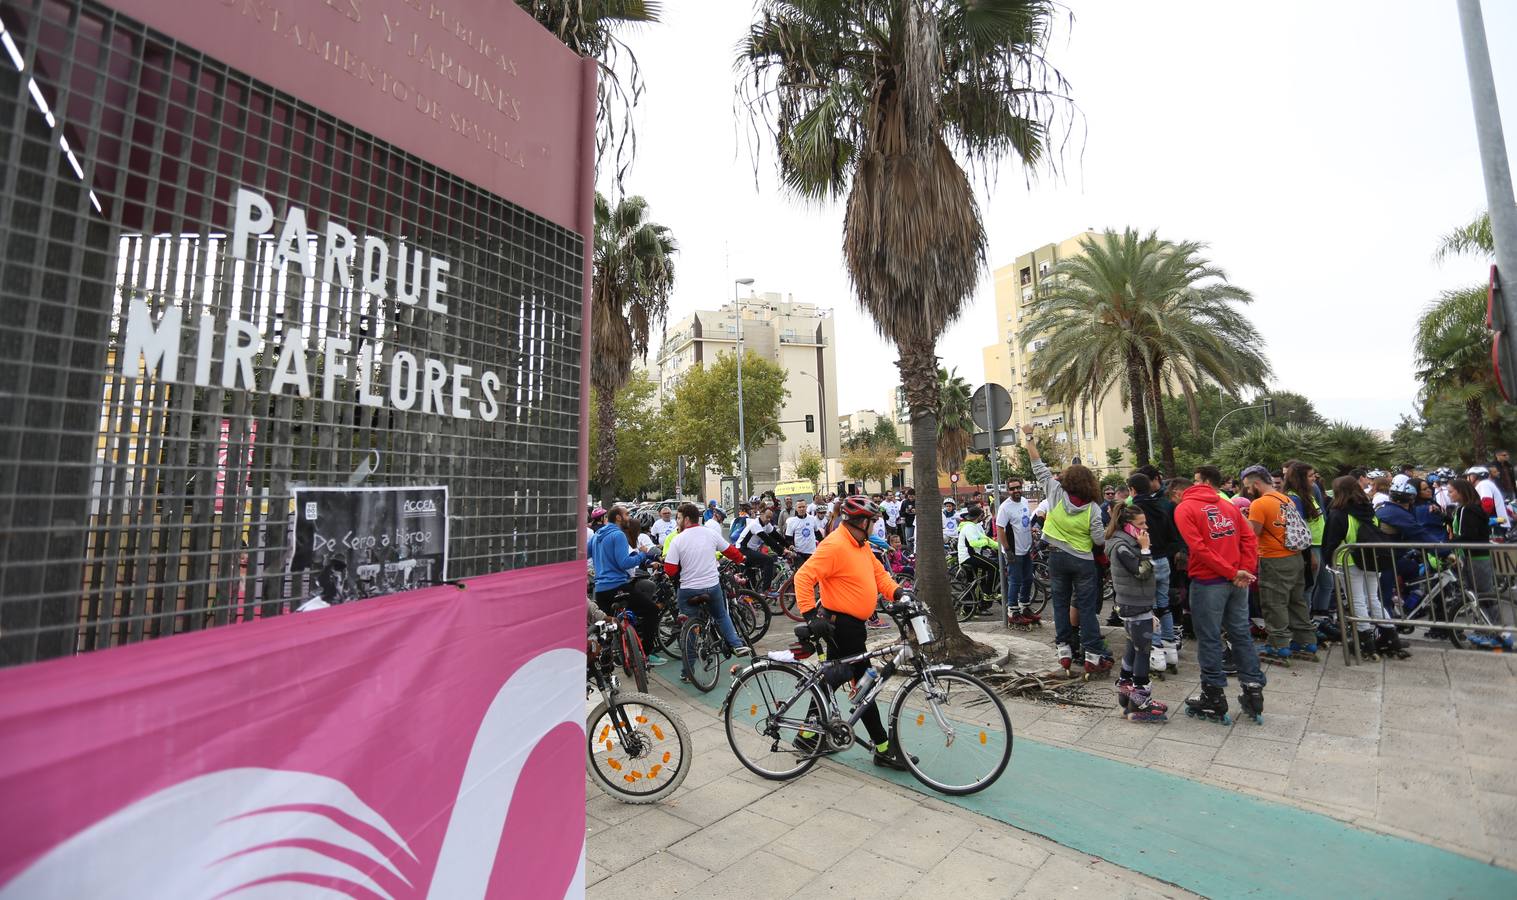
1269, 407
810, 424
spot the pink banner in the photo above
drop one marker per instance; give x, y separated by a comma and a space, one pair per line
424, 744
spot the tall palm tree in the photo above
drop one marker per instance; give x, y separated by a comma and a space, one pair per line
1473, 239
878, 101
1140, 315
629, 299
1453, 345
955, 424
589, 28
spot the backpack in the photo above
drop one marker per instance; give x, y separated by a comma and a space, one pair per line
1298, 536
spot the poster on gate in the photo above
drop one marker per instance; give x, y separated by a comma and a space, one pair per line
366, 541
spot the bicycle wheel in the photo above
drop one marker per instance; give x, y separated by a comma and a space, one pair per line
761, 738
741, 615
637, 750
634, 660
668, 631
966, 599
1471, 612
787, 602
703, 654
758, 616
1039, 598
952, 731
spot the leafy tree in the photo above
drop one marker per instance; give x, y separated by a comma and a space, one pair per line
629, 299
1141, 315
808, 464
1113, 456
1474, 239
865, 464
955, 424
885, 435
1113, 480
1049, 449
1352, 445
1452, 344
1292, 409
872, 101
976, 470
589, 28
703, 417
1441, 435
640, 429
1271, 445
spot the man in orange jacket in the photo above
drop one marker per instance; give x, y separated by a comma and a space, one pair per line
851, 579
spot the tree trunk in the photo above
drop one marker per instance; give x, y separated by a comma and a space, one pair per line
605, 453
1161, 422
1475, 411
919, 377
1137, 395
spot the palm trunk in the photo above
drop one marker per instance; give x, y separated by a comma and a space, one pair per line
605, 452
1475, 411
919, 376
1136, 395
1161, 422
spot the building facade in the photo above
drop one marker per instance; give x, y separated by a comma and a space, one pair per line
1085, 433
799, 337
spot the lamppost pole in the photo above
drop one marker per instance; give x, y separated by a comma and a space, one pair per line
742, 438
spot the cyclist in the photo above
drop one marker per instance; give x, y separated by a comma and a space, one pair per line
612, 556
950, 521
755, 536
976, 549
801, 531
851, 579
692, 558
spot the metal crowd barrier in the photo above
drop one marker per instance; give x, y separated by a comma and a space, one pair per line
1457, 590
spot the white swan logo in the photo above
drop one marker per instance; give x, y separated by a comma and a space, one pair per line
274, 833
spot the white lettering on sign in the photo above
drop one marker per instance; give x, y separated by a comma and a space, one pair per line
153, 347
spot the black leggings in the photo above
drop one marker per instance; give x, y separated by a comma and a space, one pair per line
985, 571
848, 640
638, 593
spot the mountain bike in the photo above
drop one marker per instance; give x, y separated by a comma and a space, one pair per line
949, 727
702, 644
627, 647
750, 612
636, 748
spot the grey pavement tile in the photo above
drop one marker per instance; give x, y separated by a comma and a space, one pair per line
1338, 745
1482, 737
1447, 817
1065, 878
802, 846
1074, 715
1118, 731
604, 808
621, 846
1420, 778
798, 801
1344, 698
967, 875
876, 803
1498, 814
1302, 678
717, 800
1361, 722
1136, 886
595, 872
1416, 676
758, 874
1278, 725
1006, 843
1192, 759
1181, 727
1493, 774
1023, 713
1291, 704
862, 875
1420, 716
1264, 782
1357, 678
1110, 750
922, 837
718, 846
1412, 745
670, 874
1242, 750
1054, 732
1334, 783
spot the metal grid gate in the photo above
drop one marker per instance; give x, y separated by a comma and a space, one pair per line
131, 507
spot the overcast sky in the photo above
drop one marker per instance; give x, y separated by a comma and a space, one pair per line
1319, 148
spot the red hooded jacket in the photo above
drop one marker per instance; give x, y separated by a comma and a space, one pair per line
1220, 540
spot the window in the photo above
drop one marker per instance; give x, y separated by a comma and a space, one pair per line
1039, 344
1027, 275
1042, 269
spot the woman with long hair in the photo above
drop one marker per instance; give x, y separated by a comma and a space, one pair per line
1303, 491
1074, 529
1351, 520
1469, 524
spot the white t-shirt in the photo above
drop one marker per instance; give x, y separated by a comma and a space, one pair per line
878, 528
803, 530
694, 550
1016, 515
892, 510
951, 526
752, 538
717, 527
644, 544
1488, 490
661, 528
1379, 498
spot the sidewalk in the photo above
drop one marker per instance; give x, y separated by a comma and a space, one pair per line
834, 832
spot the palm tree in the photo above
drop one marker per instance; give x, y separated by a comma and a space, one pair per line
1140, 315
588, 27
634, 275
1453, 345
955, 425
1474, 239
878, 101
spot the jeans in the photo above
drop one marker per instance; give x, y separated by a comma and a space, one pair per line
1214, 607
1321, 599
1140, 642
1073, 578
1161, 600
717, 607
1018, 587
1363, 588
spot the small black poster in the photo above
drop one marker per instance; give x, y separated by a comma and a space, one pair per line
366, 541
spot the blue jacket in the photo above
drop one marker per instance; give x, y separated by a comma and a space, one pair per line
612, 557
1406, 525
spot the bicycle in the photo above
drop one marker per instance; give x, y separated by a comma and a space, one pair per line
628, 647
636, 748
702, 644
950, 729
750, 613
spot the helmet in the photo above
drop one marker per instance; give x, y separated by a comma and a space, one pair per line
1376, 473
1242, 502
644, 517
858, 506
597, 513
1402, 486
949, 501
1478, 471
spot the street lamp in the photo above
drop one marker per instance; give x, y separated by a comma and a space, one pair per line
742, 439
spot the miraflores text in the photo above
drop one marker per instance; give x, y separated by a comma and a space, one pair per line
403, 381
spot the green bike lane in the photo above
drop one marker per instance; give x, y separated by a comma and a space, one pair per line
1202, 837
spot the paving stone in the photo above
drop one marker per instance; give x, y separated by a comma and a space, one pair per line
1295, 680
1110, 750
1023, 713
1335, 783
1065, 878
1278, 725
1328, 697
845, 831
1352, 747
1181, 727
721, 845
1073, 715
1193, 759
594, 872
967, 875
1008, 845
1404, 744
1054, 732
1244, 751
1498, 813
758, 873
605, 809
1493, 774
922, 838
1416, 676
1120, 732
622, 845
1420, 716
720, 798
1254, 779
668, 873
800, 800
876, 803
1360, 722
862, 874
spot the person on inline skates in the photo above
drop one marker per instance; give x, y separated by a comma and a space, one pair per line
1132, 577
1014, 521
1223, 554
1283, 535
1148, 495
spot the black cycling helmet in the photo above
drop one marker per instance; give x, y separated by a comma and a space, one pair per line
859, 506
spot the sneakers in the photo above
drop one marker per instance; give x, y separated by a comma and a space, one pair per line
806, 742
875, 621
655, 660
889, 759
